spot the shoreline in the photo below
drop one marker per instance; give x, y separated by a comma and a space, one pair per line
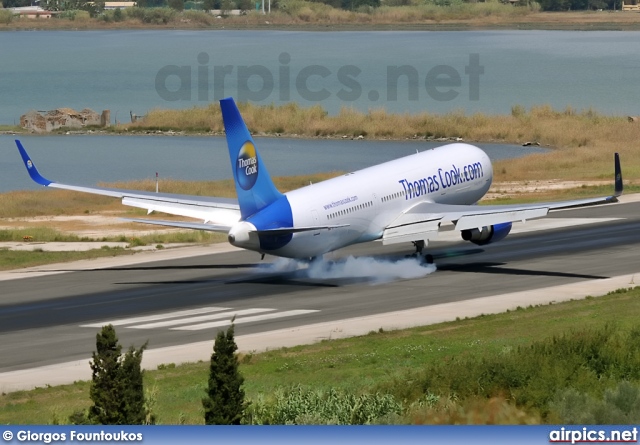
182, 133
531, 21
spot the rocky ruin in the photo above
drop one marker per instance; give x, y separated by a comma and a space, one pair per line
45, 121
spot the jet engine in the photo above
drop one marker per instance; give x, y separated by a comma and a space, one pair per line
487, 235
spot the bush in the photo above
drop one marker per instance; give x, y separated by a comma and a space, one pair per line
114, 15
518, 111
69, 15
199, 17
82, 16
6, 17
136, 242
588, 361
620, 405
156, 16
301, 406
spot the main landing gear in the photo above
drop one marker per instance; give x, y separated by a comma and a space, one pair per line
420, 245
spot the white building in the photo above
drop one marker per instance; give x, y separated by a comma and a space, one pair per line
118, 5
32, 12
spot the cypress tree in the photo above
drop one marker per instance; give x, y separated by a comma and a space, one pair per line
134, 406
117, 389
224, 403
106, 388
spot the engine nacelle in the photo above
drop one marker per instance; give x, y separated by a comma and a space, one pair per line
488, 234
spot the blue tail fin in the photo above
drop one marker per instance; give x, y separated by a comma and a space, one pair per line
253, 184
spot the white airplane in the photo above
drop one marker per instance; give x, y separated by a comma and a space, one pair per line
401, 201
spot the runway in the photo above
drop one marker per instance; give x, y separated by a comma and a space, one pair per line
54, 318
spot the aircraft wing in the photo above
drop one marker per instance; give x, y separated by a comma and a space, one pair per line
425, 218
423, 221
218, 214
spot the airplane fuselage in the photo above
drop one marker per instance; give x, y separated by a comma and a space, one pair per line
367, 201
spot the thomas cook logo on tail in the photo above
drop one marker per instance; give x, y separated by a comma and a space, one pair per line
247, 166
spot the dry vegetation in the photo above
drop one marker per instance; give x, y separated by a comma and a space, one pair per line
299, 14
290, 13
583, 141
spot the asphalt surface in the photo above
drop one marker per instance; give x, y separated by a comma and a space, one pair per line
43, 320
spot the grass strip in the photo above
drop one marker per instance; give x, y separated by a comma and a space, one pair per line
17, 259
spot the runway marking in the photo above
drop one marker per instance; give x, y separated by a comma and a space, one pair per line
124, 321
199, 319
215, 324
228, 314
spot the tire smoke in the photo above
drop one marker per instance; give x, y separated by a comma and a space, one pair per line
375, 270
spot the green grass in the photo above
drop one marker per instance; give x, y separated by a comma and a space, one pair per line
357, 365
46, 234
17, 259
12, 128
40, 234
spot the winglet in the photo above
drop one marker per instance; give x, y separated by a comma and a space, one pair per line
618, 178
253, 184
31, 167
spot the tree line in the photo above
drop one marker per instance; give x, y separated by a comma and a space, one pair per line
96, 7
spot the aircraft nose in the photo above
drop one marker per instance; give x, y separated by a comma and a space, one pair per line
244, 235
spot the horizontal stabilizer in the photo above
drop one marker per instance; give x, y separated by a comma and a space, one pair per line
182, 224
